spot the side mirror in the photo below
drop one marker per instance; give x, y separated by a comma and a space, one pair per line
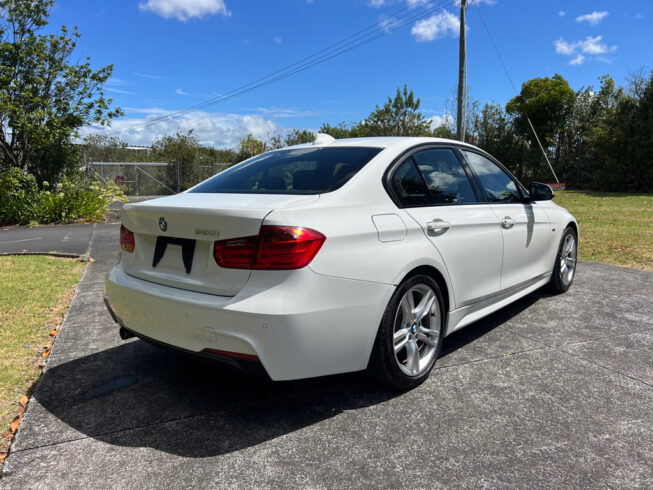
540, 192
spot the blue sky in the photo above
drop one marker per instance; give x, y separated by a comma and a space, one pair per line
172, 54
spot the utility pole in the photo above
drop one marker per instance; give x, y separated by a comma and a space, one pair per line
460, 129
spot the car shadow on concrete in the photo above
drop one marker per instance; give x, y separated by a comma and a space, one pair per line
137, 395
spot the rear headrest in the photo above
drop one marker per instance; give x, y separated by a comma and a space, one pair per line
305, 180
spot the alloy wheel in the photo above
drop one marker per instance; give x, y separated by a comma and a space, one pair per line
568, 259
417, 330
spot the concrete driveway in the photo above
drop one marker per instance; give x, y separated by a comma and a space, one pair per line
67, 239
553, 391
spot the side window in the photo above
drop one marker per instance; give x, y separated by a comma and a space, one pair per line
444, 176
498, 186
409, 186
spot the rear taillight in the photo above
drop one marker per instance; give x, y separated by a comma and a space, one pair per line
127, 241
274, 248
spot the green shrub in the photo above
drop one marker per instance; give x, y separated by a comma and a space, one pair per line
18, 194
73, 199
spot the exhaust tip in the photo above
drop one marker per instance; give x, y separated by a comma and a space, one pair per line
125, 334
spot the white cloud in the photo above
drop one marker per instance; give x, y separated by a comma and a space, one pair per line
181, 92
437, 121
563, 47
594, 18
589, 46
377, 3
118, 91
561, 13
278, 112
153, 77
278, 40
184, 10
437, 26
388, 23
593, 45
159, 111
578, 60
117, 81
220, 130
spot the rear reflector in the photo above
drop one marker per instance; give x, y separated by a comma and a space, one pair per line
238, 355
127, 241
274, 248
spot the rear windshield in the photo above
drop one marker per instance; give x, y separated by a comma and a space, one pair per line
298, 171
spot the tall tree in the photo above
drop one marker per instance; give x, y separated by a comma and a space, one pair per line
250, 147
45, 96
397, 117
496, 134
185, 152
546, 102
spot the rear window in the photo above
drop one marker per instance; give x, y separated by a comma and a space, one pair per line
298, 171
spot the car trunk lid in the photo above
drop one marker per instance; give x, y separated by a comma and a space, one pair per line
174, 237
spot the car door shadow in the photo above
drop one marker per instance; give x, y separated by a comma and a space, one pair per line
137, 395
473, 332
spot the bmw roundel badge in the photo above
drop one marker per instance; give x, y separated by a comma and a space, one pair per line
163, 224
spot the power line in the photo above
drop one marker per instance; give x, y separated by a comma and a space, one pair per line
496, 49
377, 30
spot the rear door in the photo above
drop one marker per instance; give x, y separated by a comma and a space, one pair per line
525, 226
435, 190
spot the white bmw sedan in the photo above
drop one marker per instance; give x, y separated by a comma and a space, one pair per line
338, 256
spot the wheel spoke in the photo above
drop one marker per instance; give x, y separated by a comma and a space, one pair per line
406, 308
412, 361
400, 338
563, 269
428, 336
411, 301
569, 245
570, 261
425, 305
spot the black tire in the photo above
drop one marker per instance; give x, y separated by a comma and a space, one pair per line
384, 364
560, 281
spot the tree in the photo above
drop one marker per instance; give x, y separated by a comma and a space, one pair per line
45, 97
250, 147
294, 137
186, 153
471, 114
496, 134
341, 130
398, 117
101, 148
547, 103
622, 137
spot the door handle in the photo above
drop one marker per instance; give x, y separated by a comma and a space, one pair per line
507, 222
437, 225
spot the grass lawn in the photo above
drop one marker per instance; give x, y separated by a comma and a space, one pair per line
34, 295
614, 228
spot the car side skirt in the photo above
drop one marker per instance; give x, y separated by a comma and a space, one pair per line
470, 313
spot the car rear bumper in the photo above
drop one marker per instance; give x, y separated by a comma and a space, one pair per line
299, 324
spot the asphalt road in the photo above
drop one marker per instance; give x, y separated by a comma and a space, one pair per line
72, 239
552, 391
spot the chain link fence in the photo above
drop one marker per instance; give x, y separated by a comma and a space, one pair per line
154, 178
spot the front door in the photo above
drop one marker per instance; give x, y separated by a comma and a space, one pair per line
434, 189
525, 226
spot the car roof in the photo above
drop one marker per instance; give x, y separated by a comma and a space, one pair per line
380, 142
